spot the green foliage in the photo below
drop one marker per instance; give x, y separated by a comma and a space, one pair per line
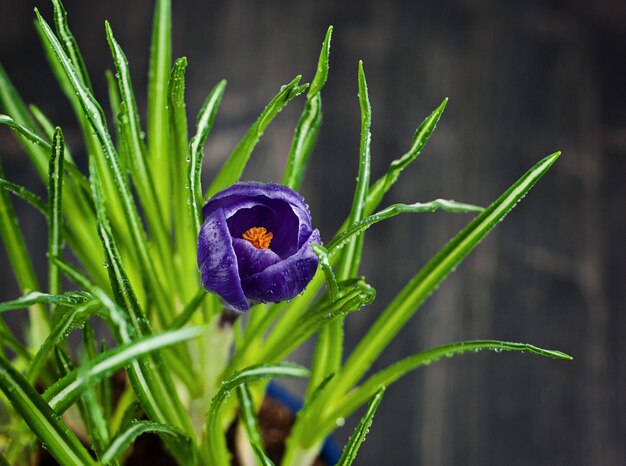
132, 222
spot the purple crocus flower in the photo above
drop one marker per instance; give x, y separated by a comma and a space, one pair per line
255, 244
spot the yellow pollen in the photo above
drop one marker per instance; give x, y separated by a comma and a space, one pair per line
259, 237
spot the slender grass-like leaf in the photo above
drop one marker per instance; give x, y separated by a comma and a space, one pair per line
355, 398
22, 266
215, 440
189, 309
70, 320
421, 137
57, 66
69, 42
130, 131
396, 209
65, 392
13, 105
43, 121
374, 197
55, 198
305, 135
248, 415
133, 430
184, 236
204, 123
358, 436
114, 98
8, 339
24, 131
25, 194
28, 134
351, 255
158, 395
93, 112
106, 392
357, 295
233, 167
90, 408
158, 124
329, 349
331, 280
41, 418
71, 298
429, 277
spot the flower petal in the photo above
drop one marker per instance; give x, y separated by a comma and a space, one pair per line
285, 279
217, 261
251, 260
275, 216
234, 197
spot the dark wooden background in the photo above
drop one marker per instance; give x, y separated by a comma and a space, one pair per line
524, 78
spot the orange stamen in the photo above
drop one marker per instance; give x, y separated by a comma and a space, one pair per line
259, 237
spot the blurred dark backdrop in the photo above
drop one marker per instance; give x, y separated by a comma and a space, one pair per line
524, 78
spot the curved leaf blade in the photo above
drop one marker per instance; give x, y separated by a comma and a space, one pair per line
60, 441
63, 393
130, 432
233, 167
214, 434
354, 399
307, 129
358, 436
431, 275
396, 209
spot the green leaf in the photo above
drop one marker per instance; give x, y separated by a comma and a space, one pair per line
158, 125
70, 320
184, 235
233, 167
307, 130
7, 339
189, 309
204, 123
55, 196
29, 135
421, 137
114, 99
93, 112
24, 131
66, 391
214, 433
130, 131
331, 281
248, 415
69, 42
355, 398
351, 255
41, 418
358, 436
355, 294
329, 350
429, 277
71, 299
393, 210
13, 104
90, 408
127, 436
25, 194
21, 264
153, 384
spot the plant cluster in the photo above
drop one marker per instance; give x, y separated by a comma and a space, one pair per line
123, 249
